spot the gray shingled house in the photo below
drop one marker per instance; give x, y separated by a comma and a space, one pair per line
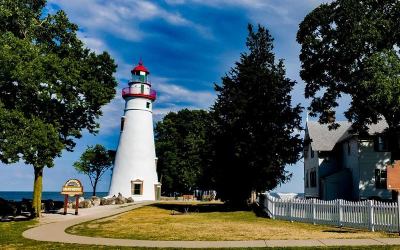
342, 165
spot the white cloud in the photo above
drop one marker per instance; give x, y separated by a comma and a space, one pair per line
120, 18
173, 93
259, 10
93, 43
112, 113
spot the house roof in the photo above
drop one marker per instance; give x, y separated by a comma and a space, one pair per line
323, 139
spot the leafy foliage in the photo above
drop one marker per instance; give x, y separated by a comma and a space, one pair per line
94, 162
256, 128
51, 86
181, 143
351, 47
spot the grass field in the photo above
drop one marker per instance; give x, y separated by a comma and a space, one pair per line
210, 222
11, 238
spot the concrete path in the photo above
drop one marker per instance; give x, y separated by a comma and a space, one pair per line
52, 228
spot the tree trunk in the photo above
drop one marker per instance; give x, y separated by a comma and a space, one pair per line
37, 192
94, 188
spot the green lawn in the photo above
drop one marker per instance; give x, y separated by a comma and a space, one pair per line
167, 221
11, 238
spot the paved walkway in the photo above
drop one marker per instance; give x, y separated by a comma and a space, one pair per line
52, 228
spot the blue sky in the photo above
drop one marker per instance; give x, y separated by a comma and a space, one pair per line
188, 45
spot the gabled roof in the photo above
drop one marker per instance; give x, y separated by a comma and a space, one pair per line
323, 139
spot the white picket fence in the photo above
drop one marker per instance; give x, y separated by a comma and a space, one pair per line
373, 215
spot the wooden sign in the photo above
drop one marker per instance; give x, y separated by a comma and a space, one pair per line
393, 176
72, 187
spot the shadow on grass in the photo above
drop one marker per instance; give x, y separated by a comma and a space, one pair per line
340, 231
199, 207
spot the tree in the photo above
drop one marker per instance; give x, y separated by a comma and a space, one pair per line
352, 47
256, 129
94, 162
181, 143
51, 86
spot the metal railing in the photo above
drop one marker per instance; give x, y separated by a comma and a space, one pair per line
129, 91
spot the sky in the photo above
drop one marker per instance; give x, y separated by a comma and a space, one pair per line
187, 45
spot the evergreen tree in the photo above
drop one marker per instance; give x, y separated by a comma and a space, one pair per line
256, 130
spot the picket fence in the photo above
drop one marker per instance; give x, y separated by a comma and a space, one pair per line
369, 214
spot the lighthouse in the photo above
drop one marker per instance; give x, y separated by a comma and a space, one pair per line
134, 174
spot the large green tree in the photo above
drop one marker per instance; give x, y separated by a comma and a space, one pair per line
51, 86
182, 151
256, 130
94, 162
352, 47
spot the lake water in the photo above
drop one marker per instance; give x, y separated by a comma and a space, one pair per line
56, 196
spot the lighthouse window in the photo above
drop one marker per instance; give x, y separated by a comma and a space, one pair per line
142, 88
137, 187
122, 123
148, 105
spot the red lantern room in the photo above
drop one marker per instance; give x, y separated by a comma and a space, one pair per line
140, 73
139, 85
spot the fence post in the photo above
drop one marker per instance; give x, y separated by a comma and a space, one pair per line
266, 204
340, 209
313, 210
291, 210
371, 221
273, 207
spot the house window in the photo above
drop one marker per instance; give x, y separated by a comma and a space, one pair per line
313, 178
147, 105
307, 179
381, 144
137, 187
380, 178
348, 148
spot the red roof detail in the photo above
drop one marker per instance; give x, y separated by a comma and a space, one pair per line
140, 67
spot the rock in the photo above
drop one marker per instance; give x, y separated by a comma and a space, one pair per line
119, 200
85, 204
95, 201
110, 201
129, 200
103, 201
81, 199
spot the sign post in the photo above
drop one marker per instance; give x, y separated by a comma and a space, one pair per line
393, 183
72, 187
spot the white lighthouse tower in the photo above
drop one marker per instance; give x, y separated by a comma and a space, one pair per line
134, 173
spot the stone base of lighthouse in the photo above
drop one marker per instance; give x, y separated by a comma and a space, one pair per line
134, 173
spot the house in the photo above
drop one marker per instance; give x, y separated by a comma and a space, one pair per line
341, 165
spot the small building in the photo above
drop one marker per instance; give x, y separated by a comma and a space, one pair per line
341, 165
